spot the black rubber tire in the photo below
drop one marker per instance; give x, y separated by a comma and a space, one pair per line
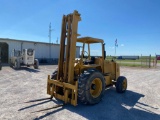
17, 64
36, 64
84, 86
54, 75
120, 87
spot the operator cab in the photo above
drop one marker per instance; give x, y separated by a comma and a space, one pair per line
15, 53
93, 53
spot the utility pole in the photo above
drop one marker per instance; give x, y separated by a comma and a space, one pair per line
116, 45
115, 51
50, 31
57, 40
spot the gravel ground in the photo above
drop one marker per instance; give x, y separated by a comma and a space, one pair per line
140, 101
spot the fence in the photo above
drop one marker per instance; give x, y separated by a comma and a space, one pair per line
146, 61
142, 61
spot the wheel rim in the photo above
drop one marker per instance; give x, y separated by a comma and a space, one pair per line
124, 84
96, 87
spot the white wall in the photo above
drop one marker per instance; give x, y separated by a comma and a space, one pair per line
55, 49
41, 49
12, 45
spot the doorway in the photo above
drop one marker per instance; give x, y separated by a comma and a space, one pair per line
4, 52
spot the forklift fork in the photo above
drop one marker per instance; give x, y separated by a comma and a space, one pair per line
36, 100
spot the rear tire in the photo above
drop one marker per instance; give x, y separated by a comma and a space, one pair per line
121, 84
91, 87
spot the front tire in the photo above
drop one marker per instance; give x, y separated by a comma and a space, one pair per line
16, 64
36, 64
91, 87
54, 75
121, 84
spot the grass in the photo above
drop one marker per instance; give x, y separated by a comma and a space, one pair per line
142, 62
133, 65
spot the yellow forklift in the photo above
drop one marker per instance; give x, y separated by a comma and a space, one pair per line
86, 78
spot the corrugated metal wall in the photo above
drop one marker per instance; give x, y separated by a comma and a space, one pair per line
41, 49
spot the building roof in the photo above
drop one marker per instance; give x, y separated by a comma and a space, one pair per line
26, 41
29, 41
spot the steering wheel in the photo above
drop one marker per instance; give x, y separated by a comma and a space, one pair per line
83, 53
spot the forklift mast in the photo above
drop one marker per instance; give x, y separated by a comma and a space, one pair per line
68, 45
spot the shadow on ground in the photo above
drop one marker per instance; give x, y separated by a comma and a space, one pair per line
29, 69
114, 106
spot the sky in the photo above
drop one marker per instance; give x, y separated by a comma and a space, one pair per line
134, 23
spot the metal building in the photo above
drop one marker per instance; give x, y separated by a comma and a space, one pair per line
45, 52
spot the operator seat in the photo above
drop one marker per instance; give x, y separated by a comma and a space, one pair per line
91, 61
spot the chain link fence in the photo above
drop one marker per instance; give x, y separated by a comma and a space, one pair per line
140, 61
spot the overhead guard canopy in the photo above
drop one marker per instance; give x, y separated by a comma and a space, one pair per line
89, 40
